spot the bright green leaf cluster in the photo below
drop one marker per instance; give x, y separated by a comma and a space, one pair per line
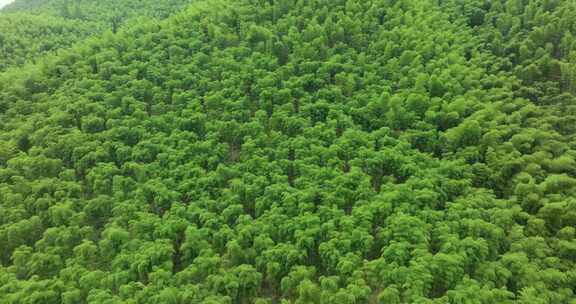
281, 151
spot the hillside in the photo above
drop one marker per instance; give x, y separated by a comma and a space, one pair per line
32, 29
280, 151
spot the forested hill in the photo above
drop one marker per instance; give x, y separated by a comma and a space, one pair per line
31, 29
294, 151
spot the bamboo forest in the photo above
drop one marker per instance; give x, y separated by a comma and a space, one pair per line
288, 152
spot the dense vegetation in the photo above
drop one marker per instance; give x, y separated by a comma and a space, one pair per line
30, 29
293, 151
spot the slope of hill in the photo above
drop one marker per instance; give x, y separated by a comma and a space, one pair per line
31, 29
380, 151
26, 38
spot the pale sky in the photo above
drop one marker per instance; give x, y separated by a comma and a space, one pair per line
4, 2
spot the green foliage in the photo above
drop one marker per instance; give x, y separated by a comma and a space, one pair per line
380, 151
32, 29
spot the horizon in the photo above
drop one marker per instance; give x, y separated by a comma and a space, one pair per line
3, 3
